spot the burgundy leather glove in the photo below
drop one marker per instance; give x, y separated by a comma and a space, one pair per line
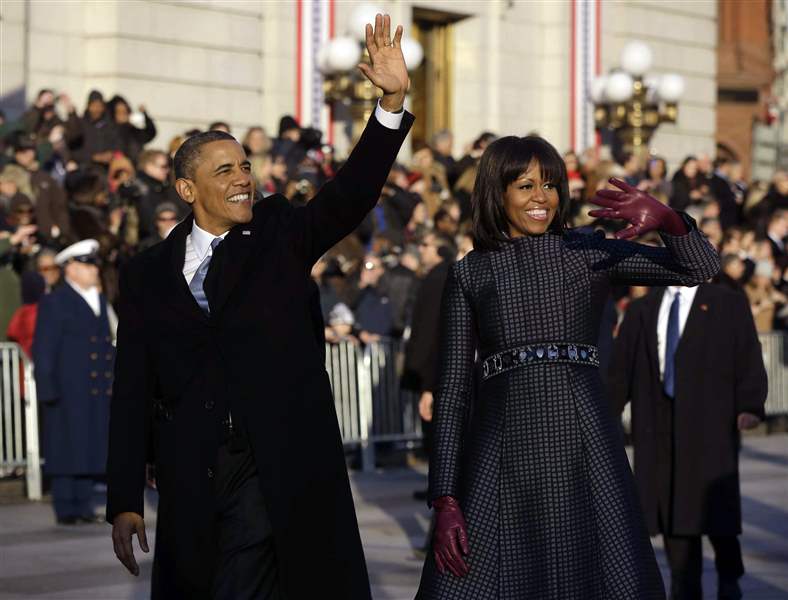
643, 212
450, 537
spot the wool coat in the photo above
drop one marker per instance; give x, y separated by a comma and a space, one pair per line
719, 374
260, 355
73, 359
534, 456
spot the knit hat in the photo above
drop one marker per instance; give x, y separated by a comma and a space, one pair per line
287, 123
95, 95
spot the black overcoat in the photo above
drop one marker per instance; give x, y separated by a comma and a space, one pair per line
719, 374
74, 360
259, 354
533, 455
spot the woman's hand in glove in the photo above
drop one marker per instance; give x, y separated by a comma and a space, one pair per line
450, 538
643, 212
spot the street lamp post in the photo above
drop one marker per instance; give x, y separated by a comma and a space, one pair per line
632, 103
342, 82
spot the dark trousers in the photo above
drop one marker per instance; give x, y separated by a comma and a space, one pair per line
685, 557
71, 496
246, 563
685, 553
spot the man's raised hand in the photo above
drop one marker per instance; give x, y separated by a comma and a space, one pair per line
388, 70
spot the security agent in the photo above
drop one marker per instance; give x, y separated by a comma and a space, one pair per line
74, 360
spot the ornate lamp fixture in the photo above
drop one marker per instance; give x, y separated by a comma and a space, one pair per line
632, 103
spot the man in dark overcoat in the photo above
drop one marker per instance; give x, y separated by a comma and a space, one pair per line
74, 360
220, 379
690, 362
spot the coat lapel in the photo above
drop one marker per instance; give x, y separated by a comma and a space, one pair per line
176, 290
694, 328
239, 243
651, 317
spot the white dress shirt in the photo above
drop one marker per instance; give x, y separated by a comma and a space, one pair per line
198, 246
685, 304
198, 242
91, 295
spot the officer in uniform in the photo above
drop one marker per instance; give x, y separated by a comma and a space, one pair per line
74, 360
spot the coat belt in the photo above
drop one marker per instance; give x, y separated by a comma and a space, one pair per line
543, 352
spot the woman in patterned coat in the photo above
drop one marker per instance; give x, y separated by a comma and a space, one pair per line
532, 491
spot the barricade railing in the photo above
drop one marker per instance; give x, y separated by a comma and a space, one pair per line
19, 418
371, 405
775, 358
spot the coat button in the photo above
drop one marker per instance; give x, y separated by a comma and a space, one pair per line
209, 404
109, 391
93, 356
210, 473
94, 391
93, 339
107, 356
107, 339
93, 374
108, 374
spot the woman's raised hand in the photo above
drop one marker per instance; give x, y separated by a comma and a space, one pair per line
642, 211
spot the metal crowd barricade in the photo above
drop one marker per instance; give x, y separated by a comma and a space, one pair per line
371, 406
19, 418
775, 359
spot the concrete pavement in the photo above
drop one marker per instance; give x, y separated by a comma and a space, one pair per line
41, 560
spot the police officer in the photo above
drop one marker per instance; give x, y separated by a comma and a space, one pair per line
74, 359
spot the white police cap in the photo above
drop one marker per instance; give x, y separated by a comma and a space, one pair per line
81, 249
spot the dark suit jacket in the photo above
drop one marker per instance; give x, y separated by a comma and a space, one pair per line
421, 356
719, 374
258, 354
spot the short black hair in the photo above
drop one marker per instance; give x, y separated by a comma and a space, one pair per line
219, 125
185, 160
504, 161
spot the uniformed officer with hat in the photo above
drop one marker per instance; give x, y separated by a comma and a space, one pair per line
74, 357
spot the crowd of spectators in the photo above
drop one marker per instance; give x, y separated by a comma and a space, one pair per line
66, 177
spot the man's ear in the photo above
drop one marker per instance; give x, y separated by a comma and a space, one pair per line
185, 189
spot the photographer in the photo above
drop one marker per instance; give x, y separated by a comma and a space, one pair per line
41, 118
48, 198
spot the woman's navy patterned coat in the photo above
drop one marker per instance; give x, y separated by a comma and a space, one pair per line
535, 456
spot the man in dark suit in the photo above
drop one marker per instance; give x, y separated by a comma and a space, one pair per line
690, 362
74, 358
220, 379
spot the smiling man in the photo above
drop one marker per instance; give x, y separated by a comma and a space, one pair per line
220, 381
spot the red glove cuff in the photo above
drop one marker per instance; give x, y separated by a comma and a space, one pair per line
445, 503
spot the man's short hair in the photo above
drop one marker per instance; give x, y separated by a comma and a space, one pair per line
148, 156
185, 161
441, 136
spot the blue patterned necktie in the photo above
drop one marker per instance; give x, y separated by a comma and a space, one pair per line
671, 343
196, 285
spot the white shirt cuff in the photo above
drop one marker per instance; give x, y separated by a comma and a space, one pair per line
388, 119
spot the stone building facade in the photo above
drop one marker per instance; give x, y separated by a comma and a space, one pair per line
509, 61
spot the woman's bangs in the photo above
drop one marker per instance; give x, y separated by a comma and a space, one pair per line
530, 149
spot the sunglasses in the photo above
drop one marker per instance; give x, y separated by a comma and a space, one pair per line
27, 211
